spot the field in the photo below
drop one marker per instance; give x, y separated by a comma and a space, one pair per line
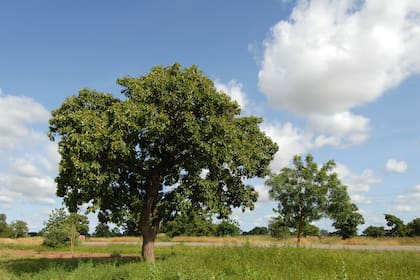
26, 259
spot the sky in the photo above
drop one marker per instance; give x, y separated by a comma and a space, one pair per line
335, 78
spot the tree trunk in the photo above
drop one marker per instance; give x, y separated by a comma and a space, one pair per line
73, 237
148, 247
149, 221
300, 229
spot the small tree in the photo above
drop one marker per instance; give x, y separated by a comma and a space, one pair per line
257, 231
57, 231
102, 230
227, 227
307, 193
278, 229
398, 228
373, 231
189, 223
311, 230
414, 227
19, 229
5, 230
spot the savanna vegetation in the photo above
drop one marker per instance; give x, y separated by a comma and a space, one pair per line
184, 262
168, 162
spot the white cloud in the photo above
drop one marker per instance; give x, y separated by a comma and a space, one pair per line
334, 55
345, 126
413, 197
357, 183
263, 195
291, 141
294, 141
29, 159
16, 114
361, 199
234, 90
393, 165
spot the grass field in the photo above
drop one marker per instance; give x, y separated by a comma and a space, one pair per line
184, 262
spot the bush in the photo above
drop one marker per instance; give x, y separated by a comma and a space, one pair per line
57, 237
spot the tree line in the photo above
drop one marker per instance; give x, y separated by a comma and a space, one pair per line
15, 229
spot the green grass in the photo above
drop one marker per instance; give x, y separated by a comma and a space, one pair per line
183, 262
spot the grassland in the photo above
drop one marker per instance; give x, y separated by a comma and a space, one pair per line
184, 262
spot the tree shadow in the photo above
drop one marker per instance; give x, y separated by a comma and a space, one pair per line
37, 265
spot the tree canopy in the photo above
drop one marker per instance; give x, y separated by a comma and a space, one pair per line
141, 156
307, 193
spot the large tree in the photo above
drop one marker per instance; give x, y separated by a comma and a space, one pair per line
142, 155
307, 193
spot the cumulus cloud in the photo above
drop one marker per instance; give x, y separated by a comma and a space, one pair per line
346, 127
263, 195
234, 90
29, 159
291, 141
332, 56
357, 183
413, 197
393, 165
16, 115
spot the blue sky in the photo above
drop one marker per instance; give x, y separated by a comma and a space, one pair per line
338, 79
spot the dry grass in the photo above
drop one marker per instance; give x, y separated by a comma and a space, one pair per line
261, 239
22, 241
115, 239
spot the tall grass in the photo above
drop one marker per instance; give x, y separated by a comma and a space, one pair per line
184, 262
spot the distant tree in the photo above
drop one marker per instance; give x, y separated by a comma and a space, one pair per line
398, 228
257, 231
324, 232
4, 227
307, 193
311, 230
115, 232
347, 219
102, 230
19, 229
278, 229
373, 231
227, 227
142, 155
131, 227
414, 227
189, 222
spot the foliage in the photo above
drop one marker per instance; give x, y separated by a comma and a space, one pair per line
189, 223
398, 228
373, 231
244, 263
257, 231
414, 227
347, 221
57, 230
311, 230
143, 155
103, 230
278, 229
228, 227
307, 193
19, 229
4, 227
